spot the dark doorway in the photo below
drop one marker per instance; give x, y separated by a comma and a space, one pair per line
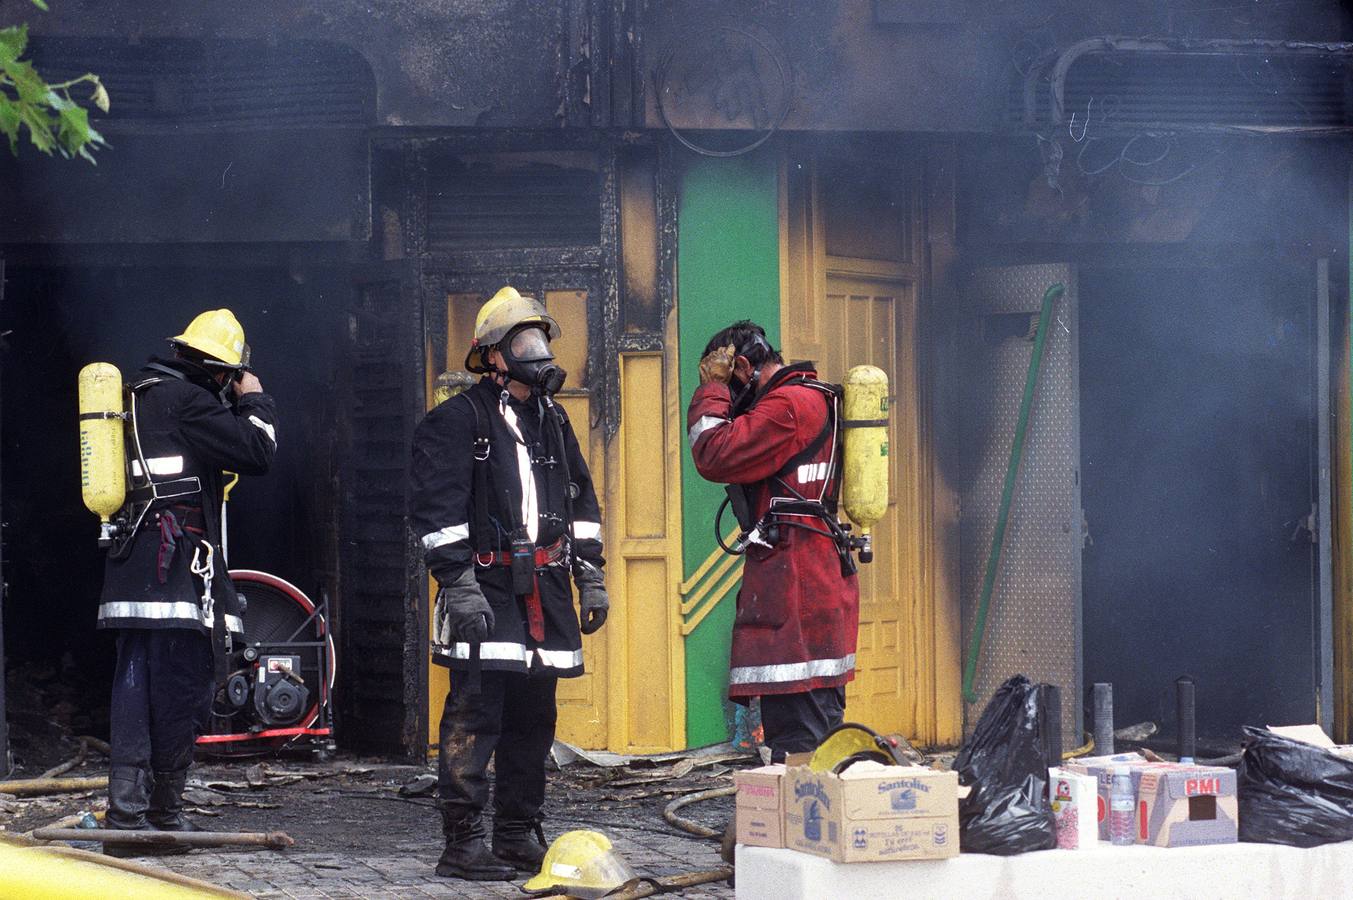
1198, 390
55, 320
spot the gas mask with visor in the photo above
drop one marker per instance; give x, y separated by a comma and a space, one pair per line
744, 393
526, 352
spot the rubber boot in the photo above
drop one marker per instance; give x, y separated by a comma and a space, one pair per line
520, 843
466, 855
128, 800
165, 812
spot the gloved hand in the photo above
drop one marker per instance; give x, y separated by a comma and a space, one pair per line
461, 612
718, 365
593, 603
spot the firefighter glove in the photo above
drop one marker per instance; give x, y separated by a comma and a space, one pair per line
593, 603
718, 365
462, 613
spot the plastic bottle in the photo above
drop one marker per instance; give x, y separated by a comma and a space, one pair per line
1121, 801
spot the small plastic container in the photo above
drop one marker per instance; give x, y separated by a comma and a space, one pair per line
88, 820
1121, 801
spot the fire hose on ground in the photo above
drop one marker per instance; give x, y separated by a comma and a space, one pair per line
670, 812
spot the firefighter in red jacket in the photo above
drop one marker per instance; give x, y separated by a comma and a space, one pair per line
773, 430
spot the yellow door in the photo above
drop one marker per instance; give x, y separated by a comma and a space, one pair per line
851, 295
582, 701
869, 320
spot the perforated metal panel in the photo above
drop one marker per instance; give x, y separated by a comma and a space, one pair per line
1034, 623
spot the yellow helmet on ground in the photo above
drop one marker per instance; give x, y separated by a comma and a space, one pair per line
500, 314
849, 743
217, 335
581, 864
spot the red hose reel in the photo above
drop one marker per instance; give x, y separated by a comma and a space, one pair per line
278, 693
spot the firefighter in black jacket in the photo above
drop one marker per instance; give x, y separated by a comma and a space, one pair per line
496, 477
166, 590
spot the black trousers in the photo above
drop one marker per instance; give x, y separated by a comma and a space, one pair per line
162, 692
797, 723
511, 721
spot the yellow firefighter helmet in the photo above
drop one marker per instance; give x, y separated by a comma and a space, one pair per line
500, 314
217, 335
581, 864
849, 743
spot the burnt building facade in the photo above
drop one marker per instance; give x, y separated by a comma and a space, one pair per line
888, 182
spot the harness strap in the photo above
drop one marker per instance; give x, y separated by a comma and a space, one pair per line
831, 430
535, 613
163, 370
545, 556
482, 449
165, 490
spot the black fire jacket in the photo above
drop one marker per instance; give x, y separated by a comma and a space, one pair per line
442, 510
185, 430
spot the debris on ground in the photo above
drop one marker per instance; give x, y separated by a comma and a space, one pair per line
424, 785
1139, 732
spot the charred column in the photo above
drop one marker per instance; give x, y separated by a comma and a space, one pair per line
1184, 711
1103, 718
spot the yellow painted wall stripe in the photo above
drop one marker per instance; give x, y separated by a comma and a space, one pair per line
710, 560
716, 598
694, 597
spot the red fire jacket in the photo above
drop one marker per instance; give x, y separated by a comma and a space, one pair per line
797, 615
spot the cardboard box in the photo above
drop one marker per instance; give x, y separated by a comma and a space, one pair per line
1187, 806
1314, 735
872, 812
1075, 806
759, 813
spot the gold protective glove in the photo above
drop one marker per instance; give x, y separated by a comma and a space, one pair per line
718, 365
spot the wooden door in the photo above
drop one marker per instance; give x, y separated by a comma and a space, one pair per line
871, 319
852, 296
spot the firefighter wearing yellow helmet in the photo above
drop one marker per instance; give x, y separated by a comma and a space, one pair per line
166, 590
506, 510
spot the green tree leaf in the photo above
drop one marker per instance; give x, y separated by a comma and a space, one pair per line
53, 120
13, 42
9, 122
40, 4
39, 127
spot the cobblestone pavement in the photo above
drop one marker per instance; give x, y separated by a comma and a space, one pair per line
305, 874
355, 836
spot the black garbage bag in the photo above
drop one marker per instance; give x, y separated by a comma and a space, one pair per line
1005, 761
1291, 792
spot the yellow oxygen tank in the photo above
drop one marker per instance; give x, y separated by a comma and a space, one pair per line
864, 492
103, 463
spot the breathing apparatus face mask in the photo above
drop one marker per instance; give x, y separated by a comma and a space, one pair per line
529, 360
744, 393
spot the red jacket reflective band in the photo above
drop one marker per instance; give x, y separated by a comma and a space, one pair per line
797, 615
